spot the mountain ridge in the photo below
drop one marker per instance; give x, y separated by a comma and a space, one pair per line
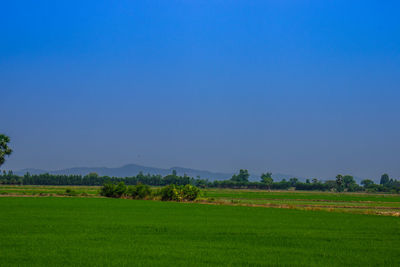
134, 169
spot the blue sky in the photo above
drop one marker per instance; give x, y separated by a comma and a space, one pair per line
309, 88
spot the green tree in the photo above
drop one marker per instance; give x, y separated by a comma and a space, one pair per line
92, 175
330, 184
348, 181
4, 149
367, 183
108, 190
293, 181
266, 178
120, 189
384, 179
243, 176
339, 183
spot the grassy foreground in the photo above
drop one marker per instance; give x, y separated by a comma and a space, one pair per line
364, 203
54, 231
361, 203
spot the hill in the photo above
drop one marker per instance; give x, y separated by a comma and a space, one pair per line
134, 169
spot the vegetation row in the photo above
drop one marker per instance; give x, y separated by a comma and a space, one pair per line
240, 180
170, 192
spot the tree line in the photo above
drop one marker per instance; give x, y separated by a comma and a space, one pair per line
240, 180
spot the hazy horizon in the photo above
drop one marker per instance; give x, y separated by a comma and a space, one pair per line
253, 174
307, 89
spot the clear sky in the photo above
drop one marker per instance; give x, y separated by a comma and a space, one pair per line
309, 88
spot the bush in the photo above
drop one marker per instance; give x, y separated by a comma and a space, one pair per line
190, 192
354, 188
170, 192
108, 190
70, 192
112, 190
120, 189
179, 193
139, 191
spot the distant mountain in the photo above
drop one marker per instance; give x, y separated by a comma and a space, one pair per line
131, 170
31, 171
134, 169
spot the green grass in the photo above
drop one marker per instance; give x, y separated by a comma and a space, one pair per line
365, 203
384, 204
47, 189
302, 195
51, 231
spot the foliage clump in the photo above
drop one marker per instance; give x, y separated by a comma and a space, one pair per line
179, 193
140, 191
4, 149
170, 192
342, 183
70, 192
113, 190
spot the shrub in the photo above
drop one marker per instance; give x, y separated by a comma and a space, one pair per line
179, 193
112, 190
190, 192
139, 191
70, 192
169, 193
120, 189
107, 190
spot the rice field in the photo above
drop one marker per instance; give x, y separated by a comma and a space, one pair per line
364, 203
60, 231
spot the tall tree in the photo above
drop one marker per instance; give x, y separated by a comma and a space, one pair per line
243, 176
4, 149
367, 183
266, 178
293, 181
348, 181
339, 183
384, 179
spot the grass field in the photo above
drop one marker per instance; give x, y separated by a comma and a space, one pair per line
364, 203
33, 190
367, 203
304, 195
51, 231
